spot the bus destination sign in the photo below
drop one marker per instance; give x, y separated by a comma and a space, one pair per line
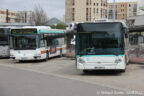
24, 31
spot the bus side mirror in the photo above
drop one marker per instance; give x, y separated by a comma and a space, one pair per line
75, 27
125, 30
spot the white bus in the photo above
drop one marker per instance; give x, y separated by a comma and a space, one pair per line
102, 46
36, 43
4, 41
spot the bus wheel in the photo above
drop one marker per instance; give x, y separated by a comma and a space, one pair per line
20, 61
47, 56
122, 71
85, 71
61, 54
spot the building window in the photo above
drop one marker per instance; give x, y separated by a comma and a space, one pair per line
73, 14
94, 11
122, 6
73, 2
90, 15
101, 12
73, 17
122, 15
122, 10
111, 6
87, 3
90, 2
86, 14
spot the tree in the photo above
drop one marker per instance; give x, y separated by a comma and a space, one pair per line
39, 16
53, 26
59, 26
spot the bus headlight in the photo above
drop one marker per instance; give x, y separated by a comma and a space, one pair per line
118, 60
11, 52
80, 60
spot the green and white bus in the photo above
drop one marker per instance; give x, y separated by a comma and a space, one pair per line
102, 46
36, 43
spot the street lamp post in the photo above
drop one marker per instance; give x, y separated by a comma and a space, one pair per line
114, 10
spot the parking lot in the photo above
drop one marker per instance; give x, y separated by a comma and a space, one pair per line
64, 67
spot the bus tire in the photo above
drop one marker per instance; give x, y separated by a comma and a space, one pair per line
61, 53
47, 56
85, 71
20, 61
122, 71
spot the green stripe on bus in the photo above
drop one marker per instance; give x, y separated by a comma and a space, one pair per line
50, 31
98, 55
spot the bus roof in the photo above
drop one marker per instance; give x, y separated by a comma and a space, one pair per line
42, 29
102, 26
110, 22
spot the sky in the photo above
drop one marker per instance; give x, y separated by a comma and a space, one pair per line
53, 8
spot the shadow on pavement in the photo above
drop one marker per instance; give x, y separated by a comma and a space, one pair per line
103, 73
140, 65
4, 57
68, 58
36, 61
137, 63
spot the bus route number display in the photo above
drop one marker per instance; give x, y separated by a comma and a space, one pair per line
24, 31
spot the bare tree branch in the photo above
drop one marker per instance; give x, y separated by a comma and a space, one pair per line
39, 17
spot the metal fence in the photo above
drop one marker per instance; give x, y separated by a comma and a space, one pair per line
136, 45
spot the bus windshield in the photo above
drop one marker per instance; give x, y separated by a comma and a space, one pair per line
24, 42
3, 37
100, 41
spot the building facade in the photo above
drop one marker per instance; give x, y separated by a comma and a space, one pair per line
85, 10
141, 7
25, 17
123, 10
8, 16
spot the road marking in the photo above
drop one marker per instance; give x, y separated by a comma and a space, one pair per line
65, 77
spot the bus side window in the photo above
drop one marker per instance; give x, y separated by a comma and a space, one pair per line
42, 41
49, 41
65, 40
55, 42
11, 42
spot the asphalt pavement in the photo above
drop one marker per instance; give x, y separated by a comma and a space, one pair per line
18, 82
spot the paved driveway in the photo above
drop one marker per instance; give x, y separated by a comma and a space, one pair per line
132, 79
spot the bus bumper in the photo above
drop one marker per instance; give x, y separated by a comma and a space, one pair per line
26, 58
119, 66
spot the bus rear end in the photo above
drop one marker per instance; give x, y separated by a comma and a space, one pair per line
100, 46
